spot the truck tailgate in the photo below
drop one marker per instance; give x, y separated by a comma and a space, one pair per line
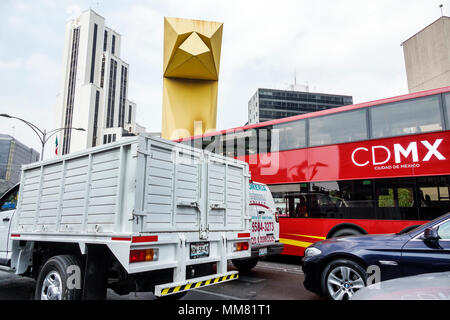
186, 189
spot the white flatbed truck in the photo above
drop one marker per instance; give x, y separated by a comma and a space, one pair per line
139, 215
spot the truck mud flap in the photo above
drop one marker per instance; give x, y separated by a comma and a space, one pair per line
177, 287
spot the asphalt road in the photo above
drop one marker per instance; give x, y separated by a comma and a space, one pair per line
274, 280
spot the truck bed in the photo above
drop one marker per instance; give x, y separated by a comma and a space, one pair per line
137, 185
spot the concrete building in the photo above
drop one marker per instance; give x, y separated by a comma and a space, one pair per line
427, 56
270, 104
13, 154
94, 93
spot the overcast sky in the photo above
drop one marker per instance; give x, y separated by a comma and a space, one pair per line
335, 46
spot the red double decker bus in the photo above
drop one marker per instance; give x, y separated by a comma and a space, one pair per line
375, 167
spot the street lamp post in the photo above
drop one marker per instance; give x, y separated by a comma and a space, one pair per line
43, 135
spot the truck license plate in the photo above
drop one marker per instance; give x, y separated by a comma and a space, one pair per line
263, 251
199, 250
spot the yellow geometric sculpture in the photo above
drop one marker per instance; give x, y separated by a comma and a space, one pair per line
191, 72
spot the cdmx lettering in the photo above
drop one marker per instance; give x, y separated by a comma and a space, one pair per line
381, 154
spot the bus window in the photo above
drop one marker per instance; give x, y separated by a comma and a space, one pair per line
396, 200
246, 142
291, 135
227, 145
447, 108
434, 193
290, 203
336, 128
406, 117
342, 199
264, 139
210, 143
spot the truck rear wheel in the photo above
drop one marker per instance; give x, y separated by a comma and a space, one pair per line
58, 280
245, 265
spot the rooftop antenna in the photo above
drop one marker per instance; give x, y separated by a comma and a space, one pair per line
442, 12
295, 77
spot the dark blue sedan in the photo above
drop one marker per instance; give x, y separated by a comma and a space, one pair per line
337, 268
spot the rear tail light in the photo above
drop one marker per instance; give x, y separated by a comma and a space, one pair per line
241, 246
143, 255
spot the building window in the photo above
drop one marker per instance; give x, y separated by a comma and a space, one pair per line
338, 128
113, 44
102, 75
94, 48
94, 129
123, 94
111, 94
130, 110
406, 117
71, 91
105, 41
105, 139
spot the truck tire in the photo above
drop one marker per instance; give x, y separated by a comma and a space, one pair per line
341, 278
56, 280
245, 265
345, 232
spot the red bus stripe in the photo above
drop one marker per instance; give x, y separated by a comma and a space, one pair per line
15, 236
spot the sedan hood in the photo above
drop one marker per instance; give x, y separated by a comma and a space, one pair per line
381, 241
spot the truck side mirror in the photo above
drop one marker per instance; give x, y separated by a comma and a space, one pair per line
431, 234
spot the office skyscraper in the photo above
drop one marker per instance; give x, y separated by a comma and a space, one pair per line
13, 154
94, 87
270, 104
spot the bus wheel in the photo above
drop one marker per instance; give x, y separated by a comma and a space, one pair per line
345, 232
245, 265
342, 278
54, 280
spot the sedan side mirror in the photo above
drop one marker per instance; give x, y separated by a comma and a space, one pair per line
431, 234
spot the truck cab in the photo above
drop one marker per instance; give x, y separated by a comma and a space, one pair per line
265, 229
8, 203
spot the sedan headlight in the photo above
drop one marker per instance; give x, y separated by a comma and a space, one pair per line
311, 252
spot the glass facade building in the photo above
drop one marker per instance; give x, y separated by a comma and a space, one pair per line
13, 154
271, 104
